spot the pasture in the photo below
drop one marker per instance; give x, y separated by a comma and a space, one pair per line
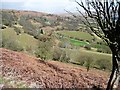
74, 53
78, 43
24, 40
76, 34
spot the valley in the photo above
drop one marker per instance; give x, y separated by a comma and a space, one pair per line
64, 46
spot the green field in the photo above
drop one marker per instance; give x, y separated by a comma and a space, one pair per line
77, 34
27, 40
98, 45
74, 53
9, 33
78, 38
78, 43
98, 60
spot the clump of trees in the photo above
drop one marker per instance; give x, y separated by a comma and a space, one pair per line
17, 30
60, 55
8, 18
90, 62
38, 34
85, 60
104, 49
103, 64
27, 25
88, 47
3, 27
30, 29
44, 50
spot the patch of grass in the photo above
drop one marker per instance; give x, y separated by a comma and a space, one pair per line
78, 43
97, 45
96, 55
9, 32
77, 34
75, 53
24, 40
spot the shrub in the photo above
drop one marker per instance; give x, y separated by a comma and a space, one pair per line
64, 44
88, 62
17, 30
60, 55
103, 64
42, 32
44, 38
88, 41
61, 45
3, 27
8, 18
44, 50
99, 50
105, 49
28, 27
30, 49
11, 43
88, 47
80, 59
85, 60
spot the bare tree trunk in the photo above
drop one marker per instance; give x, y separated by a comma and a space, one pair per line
114, 77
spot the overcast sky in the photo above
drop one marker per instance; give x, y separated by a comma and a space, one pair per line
48, 6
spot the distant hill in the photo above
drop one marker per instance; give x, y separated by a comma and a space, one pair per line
23, 12
57, 22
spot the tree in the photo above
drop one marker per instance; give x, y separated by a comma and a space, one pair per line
42, 32
17, 30
8, 18
44, 50
106, 15
60, 55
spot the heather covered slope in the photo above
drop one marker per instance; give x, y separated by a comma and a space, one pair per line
33, 72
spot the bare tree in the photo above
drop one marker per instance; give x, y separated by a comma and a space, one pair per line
106, 15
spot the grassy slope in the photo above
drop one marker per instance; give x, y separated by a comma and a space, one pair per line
77, 34
27, 40
81, 35
24, 40
73, 53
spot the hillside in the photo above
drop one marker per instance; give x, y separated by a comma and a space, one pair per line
38, 20
20, 68
65, 46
